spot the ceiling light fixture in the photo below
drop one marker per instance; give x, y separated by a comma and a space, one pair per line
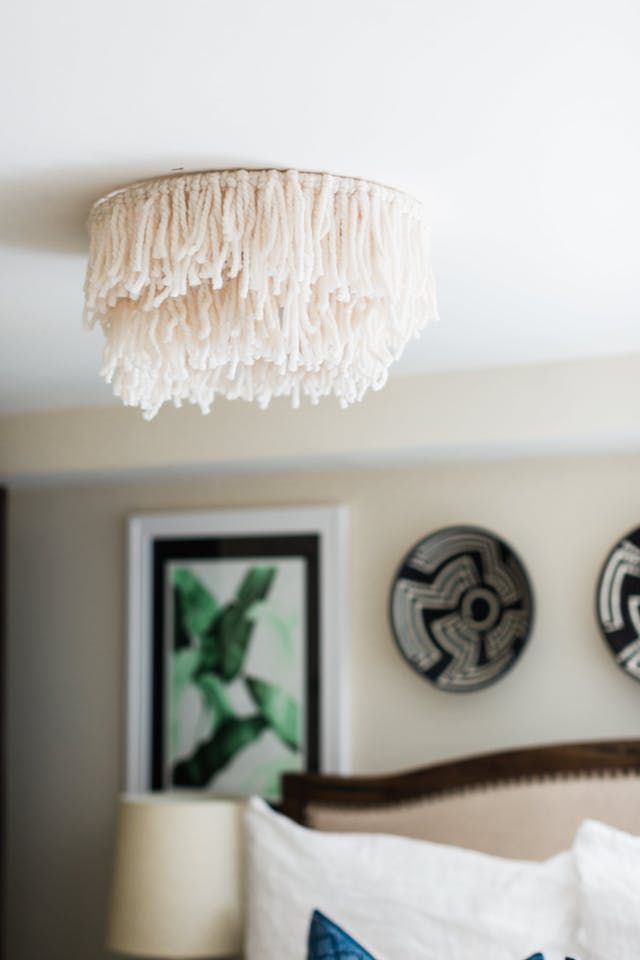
255, 284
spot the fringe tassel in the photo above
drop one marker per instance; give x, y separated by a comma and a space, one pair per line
253, 285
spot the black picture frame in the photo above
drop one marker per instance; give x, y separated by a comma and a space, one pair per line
248, 679
305, 547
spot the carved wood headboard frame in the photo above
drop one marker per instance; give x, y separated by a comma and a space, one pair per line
599, 759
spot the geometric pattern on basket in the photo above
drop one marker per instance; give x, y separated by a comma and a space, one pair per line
619, 603
461, 608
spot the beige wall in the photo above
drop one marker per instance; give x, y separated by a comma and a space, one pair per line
66, 641
579, 405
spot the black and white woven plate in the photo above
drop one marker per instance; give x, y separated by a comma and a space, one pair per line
461, 608
618, 603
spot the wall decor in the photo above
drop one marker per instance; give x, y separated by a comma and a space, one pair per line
235, 635
461, 608
618, 603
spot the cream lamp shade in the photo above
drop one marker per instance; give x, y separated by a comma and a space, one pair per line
177, 878
255, 284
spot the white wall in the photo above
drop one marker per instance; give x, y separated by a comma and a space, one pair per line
66, 643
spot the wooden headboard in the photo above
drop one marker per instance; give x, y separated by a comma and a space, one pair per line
482, 801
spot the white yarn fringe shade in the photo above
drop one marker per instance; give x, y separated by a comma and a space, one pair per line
253, 285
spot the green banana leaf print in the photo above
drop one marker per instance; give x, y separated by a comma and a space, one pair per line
279, 710
232, 662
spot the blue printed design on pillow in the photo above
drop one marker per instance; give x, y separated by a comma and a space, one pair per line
328, 941
540, 956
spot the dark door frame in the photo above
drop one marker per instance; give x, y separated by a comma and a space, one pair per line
3, 696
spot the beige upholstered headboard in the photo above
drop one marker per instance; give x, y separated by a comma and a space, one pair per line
524, 803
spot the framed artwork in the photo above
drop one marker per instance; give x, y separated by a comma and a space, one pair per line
235, 665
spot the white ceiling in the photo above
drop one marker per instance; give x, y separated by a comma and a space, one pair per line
516, 122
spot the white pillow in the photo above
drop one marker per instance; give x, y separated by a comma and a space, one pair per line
401, 898
608, 867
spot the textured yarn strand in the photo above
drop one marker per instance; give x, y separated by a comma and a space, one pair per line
254, 285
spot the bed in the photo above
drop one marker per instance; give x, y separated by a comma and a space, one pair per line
519, 803
400, 861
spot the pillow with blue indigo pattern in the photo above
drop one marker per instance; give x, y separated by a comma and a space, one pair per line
402, 899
